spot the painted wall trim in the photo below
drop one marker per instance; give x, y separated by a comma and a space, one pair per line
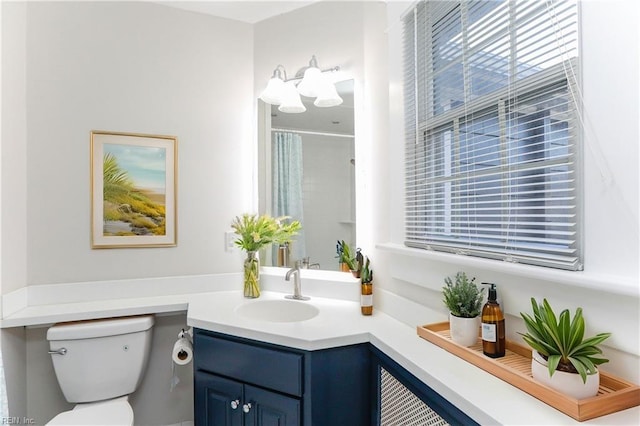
608, 284
14, 301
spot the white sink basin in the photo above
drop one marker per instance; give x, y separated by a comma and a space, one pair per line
278, 310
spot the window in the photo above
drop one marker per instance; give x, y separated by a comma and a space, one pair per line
492, 128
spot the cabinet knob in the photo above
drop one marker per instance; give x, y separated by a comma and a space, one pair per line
246, 407
235, 404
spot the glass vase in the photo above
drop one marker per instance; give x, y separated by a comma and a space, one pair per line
252, 275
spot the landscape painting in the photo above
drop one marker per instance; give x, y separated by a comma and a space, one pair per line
133, 185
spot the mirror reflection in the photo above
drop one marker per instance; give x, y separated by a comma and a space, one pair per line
307, 165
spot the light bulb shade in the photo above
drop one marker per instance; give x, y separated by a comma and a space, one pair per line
274, 92
311, 82
291, 101
328, 96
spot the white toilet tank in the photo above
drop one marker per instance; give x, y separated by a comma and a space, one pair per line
100, 359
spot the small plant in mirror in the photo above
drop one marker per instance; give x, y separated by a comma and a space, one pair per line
346, 257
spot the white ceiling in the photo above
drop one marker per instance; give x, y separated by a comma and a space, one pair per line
250, 11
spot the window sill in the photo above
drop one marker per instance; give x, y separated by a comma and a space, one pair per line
606, 283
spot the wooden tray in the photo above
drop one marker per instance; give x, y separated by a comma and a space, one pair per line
615, 394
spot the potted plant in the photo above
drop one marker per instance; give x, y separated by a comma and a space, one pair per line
254, 233
346, 258
464, 300
563, 358
366, 288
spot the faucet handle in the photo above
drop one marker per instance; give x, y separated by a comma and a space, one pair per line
298, 264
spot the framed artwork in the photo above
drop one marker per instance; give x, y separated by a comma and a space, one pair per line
133, 190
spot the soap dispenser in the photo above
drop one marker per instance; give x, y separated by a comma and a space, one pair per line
493, 344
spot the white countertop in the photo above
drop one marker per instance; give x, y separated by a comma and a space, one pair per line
485, 398
482, 396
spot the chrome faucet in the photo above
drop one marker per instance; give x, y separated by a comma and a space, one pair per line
297, 291
306, 264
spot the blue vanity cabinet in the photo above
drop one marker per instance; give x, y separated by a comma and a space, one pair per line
219, 399
249, 383
225, 402
270, 408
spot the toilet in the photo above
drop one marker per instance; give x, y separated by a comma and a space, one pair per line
98, 364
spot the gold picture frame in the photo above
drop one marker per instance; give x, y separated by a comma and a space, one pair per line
133, 190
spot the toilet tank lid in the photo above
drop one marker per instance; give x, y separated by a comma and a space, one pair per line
99, 327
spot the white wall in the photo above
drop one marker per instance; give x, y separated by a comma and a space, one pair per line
608, 288
132, 67
13, 147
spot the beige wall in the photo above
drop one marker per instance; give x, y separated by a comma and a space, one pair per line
129, 67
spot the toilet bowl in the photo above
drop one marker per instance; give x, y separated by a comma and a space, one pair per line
113, 412
98, 364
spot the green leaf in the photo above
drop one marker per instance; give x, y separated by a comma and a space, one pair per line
553, 338
584, 367
563, 329
552, 363
549, 317
577, 330
537, 345
592, 341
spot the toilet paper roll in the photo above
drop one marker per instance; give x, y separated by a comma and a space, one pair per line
182, 352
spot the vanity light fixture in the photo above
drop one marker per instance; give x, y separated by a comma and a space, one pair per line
311, 82
291, 101
272, 94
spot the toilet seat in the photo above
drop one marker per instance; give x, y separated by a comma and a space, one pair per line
112, 412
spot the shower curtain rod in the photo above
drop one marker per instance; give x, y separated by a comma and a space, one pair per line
308, 132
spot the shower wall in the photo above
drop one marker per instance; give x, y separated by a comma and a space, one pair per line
329, 196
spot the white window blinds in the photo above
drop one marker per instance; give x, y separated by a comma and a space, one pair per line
491, 130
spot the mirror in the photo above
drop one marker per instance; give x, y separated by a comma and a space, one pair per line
307, 171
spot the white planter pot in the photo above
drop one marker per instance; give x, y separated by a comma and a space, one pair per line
567, 383
464, 331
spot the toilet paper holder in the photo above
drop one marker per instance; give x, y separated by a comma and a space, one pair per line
186, 334
182, 354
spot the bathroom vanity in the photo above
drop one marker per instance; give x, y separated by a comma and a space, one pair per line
245, 382
287, 365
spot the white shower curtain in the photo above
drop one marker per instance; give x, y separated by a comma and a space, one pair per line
286, 179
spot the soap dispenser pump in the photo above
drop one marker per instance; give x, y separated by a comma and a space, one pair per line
493, 332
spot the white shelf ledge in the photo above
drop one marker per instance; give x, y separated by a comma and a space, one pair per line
582, 279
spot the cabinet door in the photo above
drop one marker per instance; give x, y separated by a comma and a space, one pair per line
400, 395
218, 401
270, 409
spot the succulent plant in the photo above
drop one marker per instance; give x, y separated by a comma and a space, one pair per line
366, 273
561, 340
